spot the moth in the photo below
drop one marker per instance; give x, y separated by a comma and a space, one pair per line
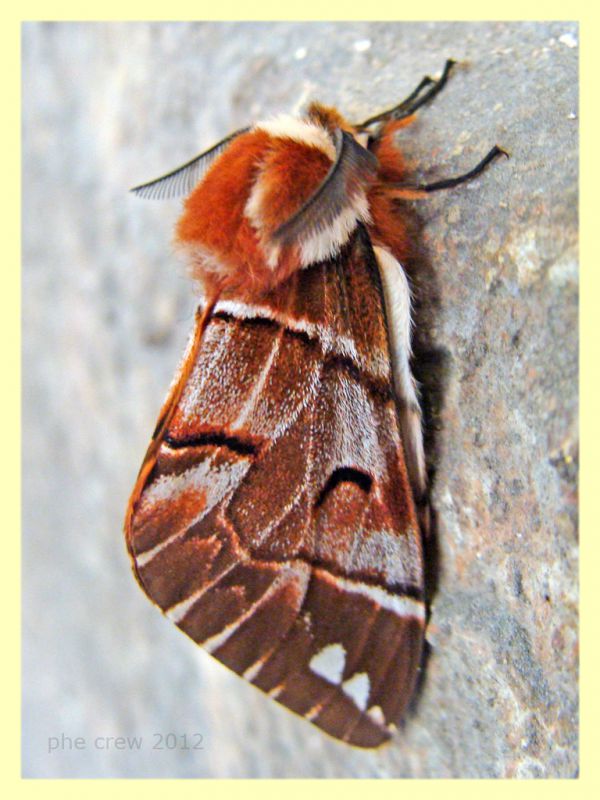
275, 515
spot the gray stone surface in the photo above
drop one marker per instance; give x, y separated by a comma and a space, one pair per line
107, 309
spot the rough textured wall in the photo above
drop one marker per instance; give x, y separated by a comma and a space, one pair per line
107, 309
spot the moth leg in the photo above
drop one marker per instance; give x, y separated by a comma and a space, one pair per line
407, 192
398, 314
448, 183
411, 103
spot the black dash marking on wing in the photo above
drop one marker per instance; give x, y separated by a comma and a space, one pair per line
243, 447
344, 475
266, 322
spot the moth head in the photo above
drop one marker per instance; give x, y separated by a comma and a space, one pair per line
331, 119
328, 117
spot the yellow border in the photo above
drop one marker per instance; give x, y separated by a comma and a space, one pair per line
307, 10
590, 385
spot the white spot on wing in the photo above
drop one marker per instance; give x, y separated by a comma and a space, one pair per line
329, 663
376, 715
357, 688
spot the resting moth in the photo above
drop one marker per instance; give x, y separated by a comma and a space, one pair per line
274, 518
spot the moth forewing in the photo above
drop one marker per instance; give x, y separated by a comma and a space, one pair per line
256, 532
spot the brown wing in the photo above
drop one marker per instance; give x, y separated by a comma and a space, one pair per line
276, 526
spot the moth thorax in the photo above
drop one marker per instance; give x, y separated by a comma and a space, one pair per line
285, 195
